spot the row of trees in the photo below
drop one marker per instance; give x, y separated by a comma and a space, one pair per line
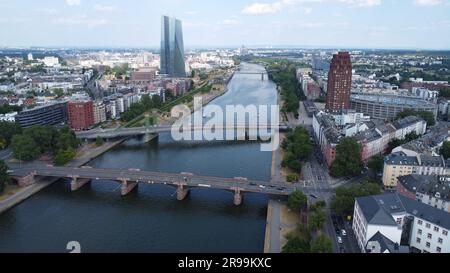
7, 131
425, 115
348, 158
284, 75
147, 103
4, 109
4, 176
298, 148
39, 140
301, 240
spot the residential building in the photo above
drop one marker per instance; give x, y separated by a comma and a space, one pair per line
339, 82
399, 164
402, 221
431, 190
172, 48
81, 114
99, 112
381, 244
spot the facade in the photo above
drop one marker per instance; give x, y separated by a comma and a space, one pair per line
50, 114
403, 221
387, 106
172, 48
99, 112
81, 114
431, 190
400, 164
339, 82
374, 136
144, 75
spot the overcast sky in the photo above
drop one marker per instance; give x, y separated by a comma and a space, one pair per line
421, 24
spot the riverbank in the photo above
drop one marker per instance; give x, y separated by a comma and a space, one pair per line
85, 154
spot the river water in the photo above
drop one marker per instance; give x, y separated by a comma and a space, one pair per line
151, 219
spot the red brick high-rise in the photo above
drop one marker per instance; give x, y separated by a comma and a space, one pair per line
339, 82
81, 114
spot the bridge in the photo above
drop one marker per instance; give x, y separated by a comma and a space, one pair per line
139, 131
262, 73
129, 179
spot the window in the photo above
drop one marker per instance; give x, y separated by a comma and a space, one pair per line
428, 244
444, 232
430, 236
418, 240
419, 231
440, 240
420, 222
428, 225
436, 228
438, 249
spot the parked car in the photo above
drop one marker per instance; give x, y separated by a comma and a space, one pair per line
340, 241
344, 233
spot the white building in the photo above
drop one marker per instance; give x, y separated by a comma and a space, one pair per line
50, 61
99, 112
30, 57
393, 215
9, 117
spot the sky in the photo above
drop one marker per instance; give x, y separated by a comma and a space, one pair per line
399, 24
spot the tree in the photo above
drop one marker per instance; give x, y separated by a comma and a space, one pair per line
296, 244
99, 141
24, 148
7, 131
297, 201
322, 244
376, 163
58, 92
292, 177
344, 201
348, 158
425, 115
445, 150
317, 220
64, 156
4, 176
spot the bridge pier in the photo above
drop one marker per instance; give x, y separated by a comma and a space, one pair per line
78, 183
26, 180
127, 186
182, 192
149, 137
237, 197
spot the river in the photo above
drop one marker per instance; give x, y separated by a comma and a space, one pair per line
151, 219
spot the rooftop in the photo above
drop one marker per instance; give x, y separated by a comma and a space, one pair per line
429, 185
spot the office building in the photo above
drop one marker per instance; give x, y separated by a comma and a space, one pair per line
172, 48
49, 114
81, 114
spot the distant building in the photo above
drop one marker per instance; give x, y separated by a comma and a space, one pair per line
99, 112
30, 57
81, 114
143, 75
50, 61
49, 114
9, 117
403, 222
172, 48
429, 189
339, 82
387, 106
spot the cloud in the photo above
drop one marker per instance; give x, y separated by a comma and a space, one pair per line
81, 20
362, 3
100, 7
427, 2
73, 2
265, 8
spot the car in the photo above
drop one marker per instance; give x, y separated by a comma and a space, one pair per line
262, 187
336, 230
344, 233
313, 196
253, 184
340, 241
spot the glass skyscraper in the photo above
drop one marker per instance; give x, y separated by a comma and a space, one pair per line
172, 48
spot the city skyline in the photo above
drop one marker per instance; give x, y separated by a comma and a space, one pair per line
382, 24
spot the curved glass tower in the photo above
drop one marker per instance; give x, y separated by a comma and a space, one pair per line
172, 48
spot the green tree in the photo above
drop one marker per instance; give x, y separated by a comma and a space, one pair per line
376, 163
297, 201
4, 176
58, 92
7, 131
445, 150
296, 244
25, 148
64, 156
344, 201
292, 177
425, 115
322, 244
99, 141
348, 158
317, 219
